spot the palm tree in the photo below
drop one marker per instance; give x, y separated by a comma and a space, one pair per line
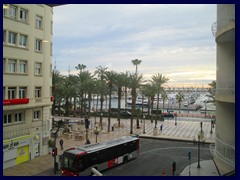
57, 90
135, 81
119, 82
80, 67
136, 62
110, 79
126, 77
149, 91
164, 97
100, 72
179, 98
159, 80
212, 91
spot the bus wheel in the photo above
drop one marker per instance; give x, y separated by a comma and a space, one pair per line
125, 159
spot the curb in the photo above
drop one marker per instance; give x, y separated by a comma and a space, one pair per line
172, 138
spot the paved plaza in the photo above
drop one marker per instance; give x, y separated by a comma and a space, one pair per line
183, 131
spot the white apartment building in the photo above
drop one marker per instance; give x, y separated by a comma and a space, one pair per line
224, 153
27, 81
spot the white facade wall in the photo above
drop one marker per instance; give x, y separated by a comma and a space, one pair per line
34, 129
224, 154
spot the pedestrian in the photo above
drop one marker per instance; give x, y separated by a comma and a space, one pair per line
61, 144
161, 127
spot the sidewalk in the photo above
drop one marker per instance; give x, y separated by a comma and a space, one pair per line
183, 131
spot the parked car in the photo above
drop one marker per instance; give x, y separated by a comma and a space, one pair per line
125, 114
168, 114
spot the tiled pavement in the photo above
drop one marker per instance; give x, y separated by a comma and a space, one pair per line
184, 130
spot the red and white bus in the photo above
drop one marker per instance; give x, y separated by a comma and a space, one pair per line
79, 161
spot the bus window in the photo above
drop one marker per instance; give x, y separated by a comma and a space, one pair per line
68, 163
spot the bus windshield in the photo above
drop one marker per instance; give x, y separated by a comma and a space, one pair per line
69, 163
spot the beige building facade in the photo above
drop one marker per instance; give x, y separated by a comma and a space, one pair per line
27, 81
224, 153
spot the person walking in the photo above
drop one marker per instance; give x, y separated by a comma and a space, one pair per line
61, 144
161, 128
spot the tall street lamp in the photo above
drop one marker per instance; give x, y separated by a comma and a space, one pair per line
96, 131
198, 166
176, 119
144, 125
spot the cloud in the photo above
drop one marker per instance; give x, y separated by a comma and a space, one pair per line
166, 38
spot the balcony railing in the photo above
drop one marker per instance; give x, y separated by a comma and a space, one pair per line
225, 85
227, 18
225, 152
16, 133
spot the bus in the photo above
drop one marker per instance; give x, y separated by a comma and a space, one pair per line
79, 161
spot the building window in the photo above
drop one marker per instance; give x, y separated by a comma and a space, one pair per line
12, 65
22, 92
4, 65
18, 117
4, 93
36, 115
11, 93
37, 92
5, 8
38, 45
7, 119
23, 15
38, 22
23, 66
13, 12
22, 40
4, 36
38, 69
12, 38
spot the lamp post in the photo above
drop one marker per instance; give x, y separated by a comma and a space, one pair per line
211, 126
198, 166
176, 119
96, 132
144, 125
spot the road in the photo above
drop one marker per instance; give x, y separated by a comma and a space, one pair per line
157, 156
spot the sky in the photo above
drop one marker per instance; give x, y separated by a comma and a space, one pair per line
173, 40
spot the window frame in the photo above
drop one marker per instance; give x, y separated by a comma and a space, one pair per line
23, 16
23, 40
22, 66
12, 93
22, 92
12, 65
12, 38
38, 92
39, 22
38, 70
13, 12
38, 45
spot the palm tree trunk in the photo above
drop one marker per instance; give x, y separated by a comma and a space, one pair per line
157, 110
119, 104
133, 109
101, 108
152, 101
109, 108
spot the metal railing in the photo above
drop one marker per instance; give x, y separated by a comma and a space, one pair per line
225, 85
225, 152
16, 133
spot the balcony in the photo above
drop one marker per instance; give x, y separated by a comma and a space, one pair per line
225, 90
